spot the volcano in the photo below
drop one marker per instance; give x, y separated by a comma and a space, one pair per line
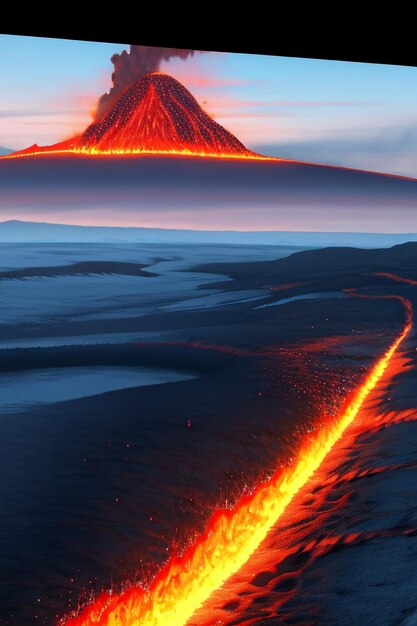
160, 158
156, 115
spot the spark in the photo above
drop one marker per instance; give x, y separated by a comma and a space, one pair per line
232, 535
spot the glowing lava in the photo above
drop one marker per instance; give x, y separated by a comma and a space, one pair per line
157, 115
231, 537
398, 279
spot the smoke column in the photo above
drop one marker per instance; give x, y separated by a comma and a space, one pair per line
132, 65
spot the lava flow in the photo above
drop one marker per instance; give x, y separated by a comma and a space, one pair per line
231, 537
398, 279
157, 115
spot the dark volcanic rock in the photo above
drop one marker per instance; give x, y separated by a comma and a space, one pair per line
159, 114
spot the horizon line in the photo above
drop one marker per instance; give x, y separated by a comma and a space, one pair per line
204, 230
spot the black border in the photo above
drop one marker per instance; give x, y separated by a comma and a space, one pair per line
346, 38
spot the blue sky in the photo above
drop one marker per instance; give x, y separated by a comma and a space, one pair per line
351, 114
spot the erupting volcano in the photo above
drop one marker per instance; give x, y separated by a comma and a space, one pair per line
159, 114
156, 115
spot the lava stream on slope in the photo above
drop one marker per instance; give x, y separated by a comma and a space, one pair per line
231, 536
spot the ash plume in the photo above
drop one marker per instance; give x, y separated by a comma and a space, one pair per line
132, 65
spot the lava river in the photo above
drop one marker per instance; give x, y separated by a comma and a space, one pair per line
232, 536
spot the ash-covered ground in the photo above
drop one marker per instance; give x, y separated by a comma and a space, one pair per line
153, 384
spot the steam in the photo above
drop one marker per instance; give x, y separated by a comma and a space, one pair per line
131, 66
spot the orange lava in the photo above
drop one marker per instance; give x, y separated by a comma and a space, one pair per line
404, 301
231, 536
398, 279
96, 152
156, 115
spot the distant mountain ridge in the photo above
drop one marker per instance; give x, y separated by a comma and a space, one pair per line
15, 231
323, 262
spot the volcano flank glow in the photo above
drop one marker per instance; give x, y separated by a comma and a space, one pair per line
157, 115
231, 536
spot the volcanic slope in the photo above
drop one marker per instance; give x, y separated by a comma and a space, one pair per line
157, 114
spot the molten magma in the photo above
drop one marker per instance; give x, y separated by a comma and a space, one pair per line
187, 580
157, 115
398, 279
68, 148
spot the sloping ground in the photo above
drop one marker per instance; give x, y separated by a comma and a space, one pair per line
346, 548
253, 195
120, 480
326, 262
83, 267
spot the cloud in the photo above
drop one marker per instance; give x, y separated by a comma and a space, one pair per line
391, 150
37, 112
131, 66
212, 82
303, 103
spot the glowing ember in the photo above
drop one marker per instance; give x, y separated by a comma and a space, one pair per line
157, 115
187, 580
51, 150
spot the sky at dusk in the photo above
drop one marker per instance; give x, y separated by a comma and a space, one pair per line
352, 114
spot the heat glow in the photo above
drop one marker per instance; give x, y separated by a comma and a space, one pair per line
398, 279
96, 152
231, 536
156, 115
